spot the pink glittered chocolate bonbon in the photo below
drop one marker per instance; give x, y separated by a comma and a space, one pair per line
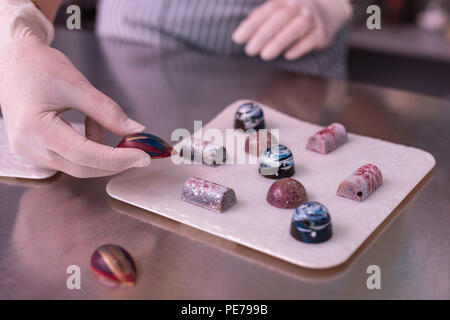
328, 139
361, 184
208, 194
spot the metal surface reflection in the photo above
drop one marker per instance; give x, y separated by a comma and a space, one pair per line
47, 226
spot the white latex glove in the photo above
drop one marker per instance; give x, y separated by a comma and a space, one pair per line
294, 27
38, 82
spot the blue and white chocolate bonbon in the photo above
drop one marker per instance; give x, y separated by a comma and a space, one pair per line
311, 223
249, 115
276, 162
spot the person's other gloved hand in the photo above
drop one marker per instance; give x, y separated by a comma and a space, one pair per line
294, 27
38, 82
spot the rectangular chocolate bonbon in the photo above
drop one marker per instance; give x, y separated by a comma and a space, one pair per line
328, 139
204, 152
361, 184
208, 194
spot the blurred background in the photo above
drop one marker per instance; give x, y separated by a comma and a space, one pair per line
411, 51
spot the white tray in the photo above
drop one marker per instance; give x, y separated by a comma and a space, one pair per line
254, 223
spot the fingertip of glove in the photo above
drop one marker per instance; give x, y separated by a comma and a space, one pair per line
144, 161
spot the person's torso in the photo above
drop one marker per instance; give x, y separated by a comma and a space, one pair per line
203, 24
206, 25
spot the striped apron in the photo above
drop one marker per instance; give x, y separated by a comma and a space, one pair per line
205, 25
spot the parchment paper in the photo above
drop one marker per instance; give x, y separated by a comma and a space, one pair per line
254, 223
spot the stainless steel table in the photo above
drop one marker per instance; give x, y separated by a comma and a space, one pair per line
47, 226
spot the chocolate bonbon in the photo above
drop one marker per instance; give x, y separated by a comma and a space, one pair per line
156, 147
276, 162
311, 223
208, 194
249, 115
204, 152
113, 266
286, 193
257, 142
361, 184
328, 139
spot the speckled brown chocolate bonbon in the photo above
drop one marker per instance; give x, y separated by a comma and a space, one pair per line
286, 193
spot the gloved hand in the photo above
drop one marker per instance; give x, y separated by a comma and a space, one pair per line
291, 26
36, 84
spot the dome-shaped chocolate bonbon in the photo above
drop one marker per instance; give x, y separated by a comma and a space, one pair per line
155, 147
113, 266
286, 193
249, 115
276, 162
311, 223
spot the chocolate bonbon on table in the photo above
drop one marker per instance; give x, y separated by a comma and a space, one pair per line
311, 223
286, 193
361, 184
328, 139
208, 194
204, 152
276, 162
113, 266
257, 142
249, 115
155, 147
